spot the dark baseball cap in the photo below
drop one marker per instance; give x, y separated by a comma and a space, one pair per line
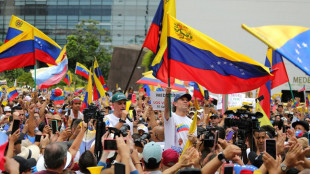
25, 164
178, 96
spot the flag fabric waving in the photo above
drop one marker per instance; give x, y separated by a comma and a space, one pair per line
12, 93
46, 50
152, 38
264, 120
302, 89
68, 78
160, 62
99, 75
198, 91
275, 61
292, 42
18, 52
52, 75
193, 55
81, 70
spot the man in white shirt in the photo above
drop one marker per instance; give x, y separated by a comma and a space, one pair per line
177, 126
119, 116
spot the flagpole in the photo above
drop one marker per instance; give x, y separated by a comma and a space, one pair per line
289, 84
35, 76
133, 70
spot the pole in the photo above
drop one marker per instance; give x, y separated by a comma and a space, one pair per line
133, 70
35, 76
289, 84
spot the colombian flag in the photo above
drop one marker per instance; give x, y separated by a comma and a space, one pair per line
18, 52
292, 42
193, 55
46, 50
12, 93
160, 62
198, 91
68, 78
152, 38
81, 70
99, 75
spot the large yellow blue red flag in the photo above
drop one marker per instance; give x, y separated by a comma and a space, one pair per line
193, 55
12, 93
160, 62
99, 91
81, 70
98, 73
46, 50
292, 42
18, 52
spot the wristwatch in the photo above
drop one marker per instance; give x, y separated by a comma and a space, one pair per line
283, 167
121, 121
221, 157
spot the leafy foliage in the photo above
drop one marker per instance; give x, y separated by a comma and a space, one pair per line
147, 60
25, 79
84, 45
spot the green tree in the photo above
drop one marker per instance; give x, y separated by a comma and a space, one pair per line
25, 79
147, 60
84, 45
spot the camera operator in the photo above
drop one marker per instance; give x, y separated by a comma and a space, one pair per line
119, 116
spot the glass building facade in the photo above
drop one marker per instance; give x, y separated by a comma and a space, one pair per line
127, 20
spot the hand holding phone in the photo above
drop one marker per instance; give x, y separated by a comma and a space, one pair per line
16, 126
54, 126
228, 169
229, 135
271, 147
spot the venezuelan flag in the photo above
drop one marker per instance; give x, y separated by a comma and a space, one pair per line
160, 62
84, 103
12, 93
149, 79
275, 61
99, 75
152, 38
292, 42
68, 78
265, 89
99, 91
46, 50
52, 75
81, 70
18, 52
193, 55
198, 91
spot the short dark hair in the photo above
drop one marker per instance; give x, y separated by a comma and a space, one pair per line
55, 154
151, 164
16, 108
87, 159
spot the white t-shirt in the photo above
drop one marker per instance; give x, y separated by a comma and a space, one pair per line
80, 115
112, 120
176, 131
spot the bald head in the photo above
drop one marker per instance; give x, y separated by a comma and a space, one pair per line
158, 134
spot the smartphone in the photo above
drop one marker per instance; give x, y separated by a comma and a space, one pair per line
309, 138
65, 122
16, 125
119, 168
206, 92
228, 168
38, 138
229, 135
46, 121
271, 147
54, 126
110, 144
216, 139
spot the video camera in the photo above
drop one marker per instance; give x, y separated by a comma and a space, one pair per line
92, 112
142, 139
209, 136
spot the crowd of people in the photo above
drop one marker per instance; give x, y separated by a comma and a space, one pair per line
44, 136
